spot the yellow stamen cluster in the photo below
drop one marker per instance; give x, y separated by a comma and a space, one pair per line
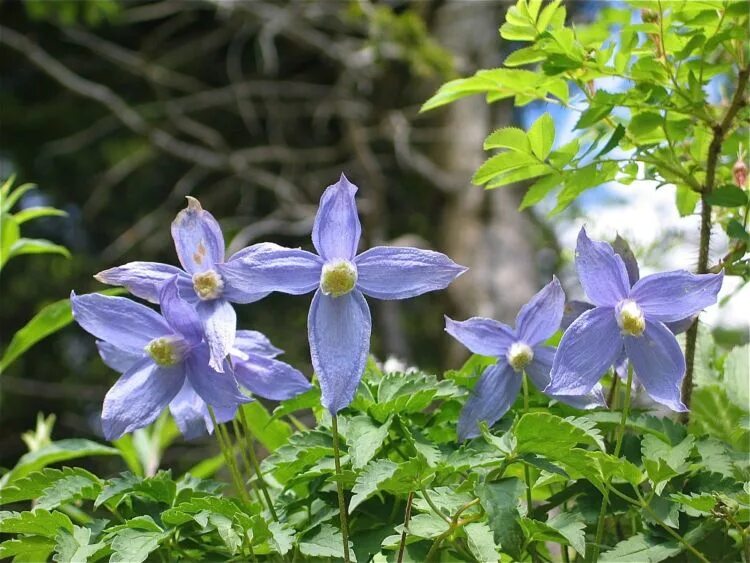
208, 285
630, 318
338, 278
519, 355
165, 351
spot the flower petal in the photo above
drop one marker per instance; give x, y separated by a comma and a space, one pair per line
538, 372
180, 315
678, 327
586, 351
262, 268
493, 395
623, 250
337, 229
187, 409
541, 316
602, 272
391, 272
672, 296
219, 326
197, 238
252, 342
119, 360
138, 397
573, 310
482, 336
143, 279
119, 321
658, 363
270, 379
217, 389
339, 332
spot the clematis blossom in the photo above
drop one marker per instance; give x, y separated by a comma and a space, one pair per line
162, 357
200, 249
255, 367
339, 322
517, 350
629, 319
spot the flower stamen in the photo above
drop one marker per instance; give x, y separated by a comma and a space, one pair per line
519, 355
630, 318
338, 278
208, 285
166, 351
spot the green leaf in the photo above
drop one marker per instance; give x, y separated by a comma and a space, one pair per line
282, 537
539, 190
481, 542
303, 450
401, 394
326, 543
27, 549
74, 547
643, 124
613, 141
36, 246
428, 525
364, 439
33, 485
519, 175
501, 164
31, 213
641, 548
134, 546
271, 433
664, 461
686, 199
500, 501
367, 483
727, 196
511, 138
68, 489
572, 528
38, 522
736, 368
542, 136
593, 115
10, 198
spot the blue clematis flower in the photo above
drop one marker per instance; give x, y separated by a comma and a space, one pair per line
630, 319
161, 357
574, 308
517, 350
339, 321
255, 367
200, 249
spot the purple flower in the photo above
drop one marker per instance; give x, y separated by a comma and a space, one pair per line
339, 320
161, 357
255, 367
200, 249
630, 319
574, 309
517, 350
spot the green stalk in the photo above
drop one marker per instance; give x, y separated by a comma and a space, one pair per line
340, 488
618, 447
226, 451
250, 446
407, 517
526, 474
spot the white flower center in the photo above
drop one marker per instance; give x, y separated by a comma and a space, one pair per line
166, 351
630, 318
208, 285
519, 355
338, 278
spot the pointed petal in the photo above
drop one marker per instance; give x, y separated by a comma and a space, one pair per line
573, 310
602, 272
262, 268
119, 360
586, 351
541, 316
658, 363
390, 272
672, 296
119, 321
270, 379
538, 372
187, 410
216, 389
180, 314
252, 342
138, 397
337, 229
482, 336
623, 250
493, 395
339, 331
678, 327
197, 238
219, 325
142, 279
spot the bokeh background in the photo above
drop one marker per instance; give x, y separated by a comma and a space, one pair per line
119, 109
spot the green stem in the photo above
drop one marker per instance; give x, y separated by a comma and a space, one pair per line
618, 447
526, 473
250, 447
245, 460
226, 451
432, 505
340, 488
407, 517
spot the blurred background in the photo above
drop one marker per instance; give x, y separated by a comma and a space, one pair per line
119, 109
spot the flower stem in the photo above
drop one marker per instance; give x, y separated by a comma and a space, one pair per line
250, 447
526, 474
407, 517
340, 488
618, 447
226, 450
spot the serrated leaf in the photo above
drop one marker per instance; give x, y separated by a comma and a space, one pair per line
572, 528
301, 451
542, 136
116, 487
271, 433
502, 164
74, 547
326, 543
282, 537
67, 489
663, 461
367, 483
398, 393
614, 141
736, 369
364, 438
500, 501
714, 456
481, 542
28, 549
37, 522
134, 546
33, 485
427, 525
593, 115
727, 196
511, 138
641, 548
